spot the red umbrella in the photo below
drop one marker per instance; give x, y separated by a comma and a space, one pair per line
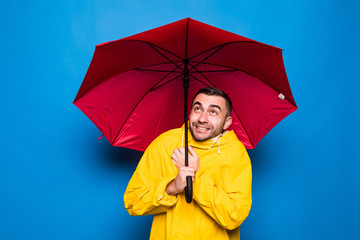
134, 87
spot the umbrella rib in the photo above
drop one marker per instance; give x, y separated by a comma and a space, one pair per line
223, 70
201, 81
194, 67
151, 89
247, 134
152, 46
157, 47
173, 71
244, 128
207, 57
154, 70
224, 44
153, 65
154, 88
233, 109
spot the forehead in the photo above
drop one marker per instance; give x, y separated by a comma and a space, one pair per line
207, 100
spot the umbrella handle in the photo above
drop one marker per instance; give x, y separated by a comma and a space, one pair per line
188, 189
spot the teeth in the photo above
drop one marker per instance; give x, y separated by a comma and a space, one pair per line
202, 128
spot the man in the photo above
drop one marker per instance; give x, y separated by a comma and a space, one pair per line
220, 169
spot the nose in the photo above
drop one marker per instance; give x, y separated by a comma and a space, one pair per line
203, 117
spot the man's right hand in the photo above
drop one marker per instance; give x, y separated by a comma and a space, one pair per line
178, 157
179, 183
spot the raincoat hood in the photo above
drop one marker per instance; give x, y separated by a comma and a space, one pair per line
224, 138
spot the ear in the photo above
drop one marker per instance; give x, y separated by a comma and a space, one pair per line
228, 122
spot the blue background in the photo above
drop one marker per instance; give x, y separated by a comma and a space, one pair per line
58, 181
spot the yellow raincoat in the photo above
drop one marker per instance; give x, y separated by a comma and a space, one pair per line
221, 189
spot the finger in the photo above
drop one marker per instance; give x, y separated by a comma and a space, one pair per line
178, 153
181, 150
177, 158
186, 170
192, 151
189, 171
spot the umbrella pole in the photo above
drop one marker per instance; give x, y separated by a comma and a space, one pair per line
188, 188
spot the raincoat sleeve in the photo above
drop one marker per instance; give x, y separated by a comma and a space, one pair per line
146, 191
227, 200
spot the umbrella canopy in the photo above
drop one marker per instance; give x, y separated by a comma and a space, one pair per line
133, 90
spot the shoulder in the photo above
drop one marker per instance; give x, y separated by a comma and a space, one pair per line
168, 138
231, 139
176, 132
236, 150
170, 135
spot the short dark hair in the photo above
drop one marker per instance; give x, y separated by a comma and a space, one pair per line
211, 91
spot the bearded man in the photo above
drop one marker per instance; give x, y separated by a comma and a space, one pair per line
218, 164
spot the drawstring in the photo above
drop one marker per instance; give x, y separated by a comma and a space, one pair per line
217, 140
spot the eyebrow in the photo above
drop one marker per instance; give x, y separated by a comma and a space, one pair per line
212, 105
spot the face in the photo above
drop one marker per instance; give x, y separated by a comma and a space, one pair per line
208, 117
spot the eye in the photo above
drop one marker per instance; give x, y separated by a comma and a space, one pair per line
213, 112
196, 109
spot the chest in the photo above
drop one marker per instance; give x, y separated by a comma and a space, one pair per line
214, 165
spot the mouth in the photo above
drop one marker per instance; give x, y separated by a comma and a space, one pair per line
201, 128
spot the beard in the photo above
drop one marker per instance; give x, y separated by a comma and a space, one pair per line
212, 135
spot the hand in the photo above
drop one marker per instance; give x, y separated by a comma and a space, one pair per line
179, 183
178, 158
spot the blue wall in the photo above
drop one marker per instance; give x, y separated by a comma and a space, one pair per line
58, 181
